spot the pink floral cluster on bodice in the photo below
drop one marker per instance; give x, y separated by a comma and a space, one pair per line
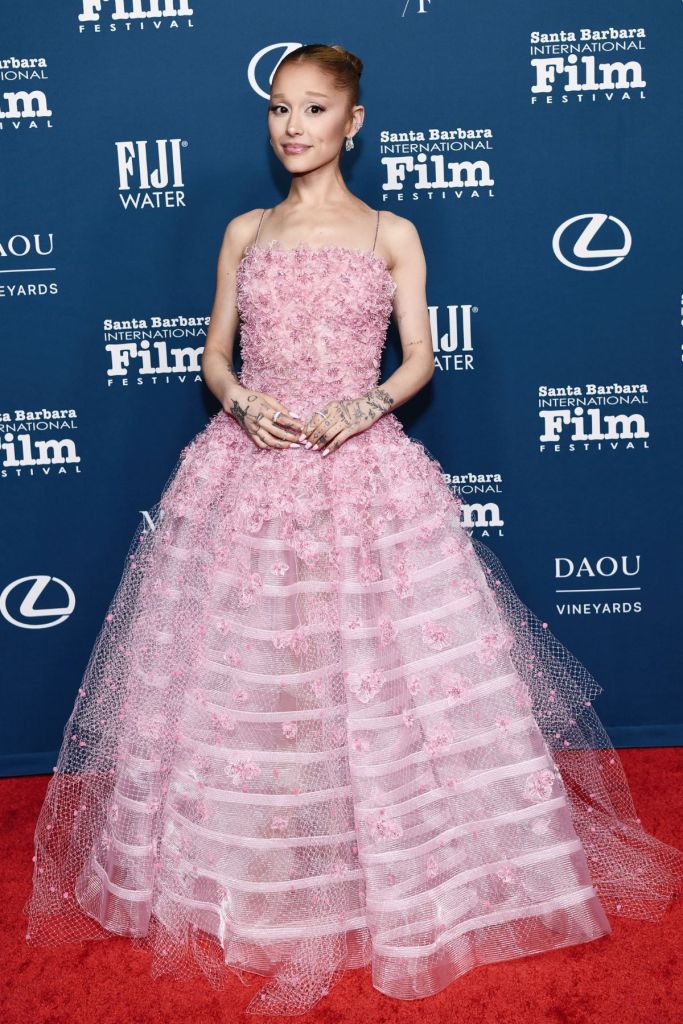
313, 321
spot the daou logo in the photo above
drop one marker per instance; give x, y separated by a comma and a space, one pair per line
605, 566
28, 614
254, 73
581, 250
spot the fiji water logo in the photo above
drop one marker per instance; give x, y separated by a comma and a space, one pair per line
452, 336
150, 174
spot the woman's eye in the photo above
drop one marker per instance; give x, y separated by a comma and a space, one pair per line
279, 106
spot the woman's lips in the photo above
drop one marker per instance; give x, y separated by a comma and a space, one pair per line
295, 149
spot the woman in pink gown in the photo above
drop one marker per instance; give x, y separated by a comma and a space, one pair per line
318, 729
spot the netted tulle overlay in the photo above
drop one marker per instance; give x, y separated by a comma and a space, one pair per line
318, 729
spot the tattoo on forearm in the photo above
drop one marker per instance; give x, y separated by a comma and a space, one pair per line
379, 399
417, 341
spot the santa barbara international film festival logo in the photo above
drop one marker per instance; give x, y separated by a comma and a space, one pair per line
480, 495
155, 350
38, 442
593, 417
150, 174
587, 65
133, 15
442, 163
22, 105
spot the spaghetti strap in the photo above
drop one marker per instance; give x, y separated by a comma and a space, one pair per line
376, 231
258, 231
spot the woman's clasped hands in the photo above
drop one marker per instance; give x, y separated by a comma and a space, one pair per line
271, 425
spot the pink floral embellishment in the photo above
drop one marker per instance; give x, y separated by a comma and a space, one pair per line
539, 785
540, 826
434, 635
387, 631
339, 867
366, 685
278, 823
241, 695
223, 720
369, 572
251, 585
507, 873
385, 828
439, 740
432, 867
290, 729
360, 744
503, 723
408, 718
414, 686
279, 568
233, 657
242, 771
353, 623
455, 684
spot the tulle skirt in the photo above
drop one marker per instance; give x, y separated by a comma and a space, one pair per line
319, 730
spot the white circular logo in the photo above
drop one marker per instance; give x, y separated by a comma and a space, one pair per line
581, 248
28, 611
254, 72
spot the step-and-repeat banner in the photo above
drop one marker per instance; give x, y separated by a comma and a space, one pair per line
537, 148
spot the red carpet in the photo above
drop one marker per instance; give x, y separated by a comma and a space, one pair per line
632, 976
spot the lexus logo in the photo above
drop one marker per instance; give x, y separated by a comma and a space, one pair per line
600, 259
27, 615
255, 74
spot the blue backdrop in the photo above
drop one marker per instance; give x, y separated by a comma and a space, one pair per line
538, 150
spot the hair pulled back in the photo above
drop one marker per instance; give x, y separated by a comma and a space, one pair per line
344, 67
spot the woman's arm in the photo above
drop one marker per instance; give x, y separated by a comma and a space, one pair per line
409, 271
217, 367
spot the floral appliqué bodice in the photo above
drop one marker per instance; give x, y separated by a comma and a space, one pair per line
313, 321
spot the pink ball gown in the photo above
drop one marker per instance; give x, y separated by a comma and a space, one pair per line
318, 729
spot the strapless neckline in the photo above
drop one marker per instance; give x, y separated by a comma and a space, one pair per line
275, 245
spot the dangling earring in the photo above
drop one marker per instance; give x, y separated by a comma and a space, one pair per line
349, 140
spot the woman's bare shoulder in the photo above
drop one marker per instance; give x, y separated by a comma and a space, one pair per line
241, 229
397, 234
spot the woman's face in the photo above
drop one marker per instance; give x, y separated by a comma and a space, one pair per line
308, 117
